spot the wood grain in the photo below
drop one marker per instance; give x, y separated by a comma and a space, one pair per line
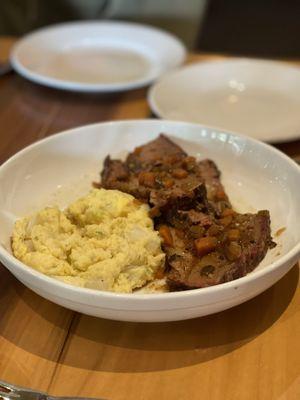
226, 352
250, 352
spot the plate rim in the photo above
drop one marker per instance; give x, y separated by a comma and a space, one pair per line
74, 86
236, 60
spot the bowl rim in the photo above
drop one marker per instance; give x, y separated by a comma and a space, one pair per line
290, 256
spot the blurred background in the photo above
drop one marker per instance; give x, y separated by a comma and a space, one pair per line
183, 18
268, 28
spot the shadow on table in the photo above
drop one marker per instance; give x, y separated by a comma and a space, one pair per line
103, 345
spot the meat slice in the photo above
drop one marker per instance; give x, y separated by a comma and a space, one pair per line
206, 242
211, 175
227, 257
160, 171
116, 175
114, 171
160, 149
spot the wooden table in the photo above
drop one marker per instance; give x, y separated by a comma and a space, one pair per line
249, 352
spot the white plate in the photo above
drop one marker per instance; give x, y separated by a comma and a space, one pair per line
255, 97
96, 56
59, 169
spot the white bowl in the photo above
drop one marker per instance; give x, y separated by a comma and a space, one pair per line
61, 168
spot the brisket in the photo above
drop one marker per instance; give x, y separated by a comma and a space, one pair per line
206, 242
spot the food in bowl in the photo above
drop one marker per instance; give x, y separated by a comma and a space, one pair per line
104, 241
161, 216
61, 168
205, 240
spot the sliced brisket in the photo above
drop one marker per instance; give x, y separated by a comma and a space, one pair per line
206, 242
236, 249
160, 171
